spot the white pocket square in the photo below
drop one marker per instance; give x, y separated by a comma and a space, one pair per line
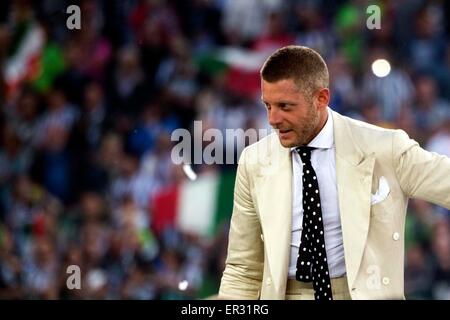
382, 192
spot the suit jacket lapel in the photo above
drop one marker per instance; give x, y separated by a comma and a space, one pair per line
354, 172
274, 190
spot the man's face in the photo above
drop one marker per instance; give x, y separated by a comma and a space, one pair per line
296, 118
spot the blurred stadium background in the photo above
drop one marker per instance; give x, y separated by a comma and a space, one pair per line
86, 115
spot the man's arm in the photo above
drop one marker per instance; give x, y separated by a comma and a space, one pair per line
244, 264
422, 174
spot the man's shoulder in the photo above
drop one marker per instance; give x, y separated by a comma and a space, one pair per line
364, 133
268, 150
265, 146
364, 127
369, 138
270, 139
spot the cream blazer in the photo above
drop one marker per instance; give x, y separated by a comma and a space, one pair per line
373, 232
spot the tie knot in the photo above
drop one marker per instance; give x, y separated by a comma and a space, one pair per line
305, 153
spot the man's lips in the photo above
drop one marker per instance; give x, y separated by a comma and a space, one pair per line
283, 134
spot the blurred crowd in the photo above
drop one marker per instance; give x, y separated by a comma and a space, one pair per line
86, 117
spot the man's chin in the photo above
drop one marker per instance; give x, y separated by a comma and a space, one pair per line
287, 143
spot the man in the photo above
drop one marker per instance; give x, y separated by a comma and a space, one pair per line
319, 206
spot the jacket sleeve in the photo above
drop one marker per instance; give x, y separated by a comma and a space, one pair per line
244, 263
422, 174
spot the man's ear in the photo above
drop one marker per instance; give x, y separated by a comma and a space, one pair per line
322, 97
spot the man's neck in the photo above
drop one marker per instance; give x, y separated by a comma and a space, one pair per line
319, 127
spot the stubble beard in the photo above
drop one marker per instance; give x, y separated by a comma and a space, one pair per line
307, 132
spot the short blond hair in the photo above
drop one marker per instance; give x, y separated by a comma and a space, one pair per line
301, 64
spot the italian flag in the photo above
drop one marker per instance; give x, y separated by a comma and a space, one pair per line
239, 67
200, 207
31, 59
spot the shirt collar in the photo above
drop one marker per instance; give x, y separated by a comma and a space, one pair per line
325, 138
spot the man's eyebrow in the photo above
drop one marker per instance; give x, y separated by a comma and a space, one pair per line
282, 102
285, 102
279, 102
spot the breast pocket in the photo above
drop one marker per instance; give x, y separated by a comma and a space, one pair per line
380, 198
383, 211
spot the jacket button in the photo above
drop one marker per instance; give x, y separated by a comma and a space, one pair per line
262, 237
395, 236
386, 281
269, 281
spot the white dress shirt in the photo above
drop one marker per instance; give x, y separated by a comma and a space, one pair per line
324, 164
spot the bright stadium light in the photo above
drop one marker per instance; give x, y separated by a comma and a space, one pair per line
381, 68
182, 286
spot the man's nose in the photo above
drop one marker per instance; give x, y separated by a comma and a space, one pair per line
274, 117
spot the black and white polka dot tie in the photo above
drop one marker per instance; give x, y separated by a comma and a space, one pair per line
312, 262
